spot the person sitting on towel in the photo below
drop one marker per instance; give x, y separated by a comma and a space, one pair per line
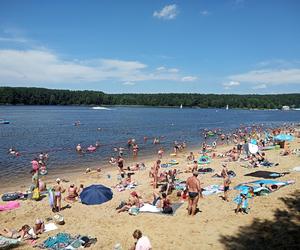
39, 227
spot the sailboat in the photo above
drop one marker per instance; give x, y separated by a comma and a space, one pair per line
227, 107
181, 106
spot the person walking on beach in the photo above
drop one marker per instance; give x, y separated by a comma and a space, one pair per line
194, 190
135, 150
58, 190
227, 182
120, 162
156, 168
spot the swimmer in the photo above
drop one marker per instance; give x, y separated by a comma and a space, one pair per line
78, 148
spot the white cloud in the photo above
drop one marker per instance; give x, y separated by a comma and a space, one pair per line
161, 68
173, 70
261, 86
129, 83
189, 78
164, 69
204, 12
13, 39
168, 12
269, 76
231, 84
38, 67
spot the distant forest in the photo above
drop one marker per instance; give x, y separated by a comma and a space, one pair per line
41, 96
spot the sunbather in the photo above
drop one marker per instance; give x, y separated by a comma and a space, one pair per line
72, 193
39, 227
134, 200
22, 233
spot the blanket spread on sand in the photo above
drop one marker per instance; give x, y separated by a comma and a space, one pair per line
147, 208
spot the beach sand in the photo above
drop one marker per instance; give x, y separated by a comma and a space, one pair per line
202, 231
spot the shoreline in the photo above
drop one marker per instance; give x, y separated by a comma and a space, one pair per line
216, 220
77, 171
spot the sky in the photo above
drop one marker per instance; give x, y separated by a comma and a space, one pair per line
143, 46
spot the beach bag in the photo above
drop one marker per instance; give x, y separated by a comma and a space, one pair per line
167, 210
134, 211
36, 194
10, 196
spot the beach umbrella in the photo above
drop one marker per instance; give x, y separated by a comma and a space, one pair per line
283, 137
95, 194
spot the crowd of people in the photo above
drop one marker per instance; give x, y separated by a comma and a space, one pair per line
162, 180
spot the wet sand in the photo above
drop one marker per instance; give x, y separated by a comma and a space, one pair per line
203, 231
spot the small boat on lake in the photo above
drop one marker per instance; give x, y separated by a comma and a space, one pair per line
101, 108
3, 121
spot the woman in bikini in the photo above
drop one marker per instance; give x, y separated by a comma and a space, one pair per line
58, 190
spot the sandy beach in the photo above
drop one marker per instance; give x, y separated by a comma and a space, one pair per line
205, 230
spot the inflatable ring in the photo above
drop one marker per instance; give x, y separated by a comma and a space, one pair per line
43, 172
204, 160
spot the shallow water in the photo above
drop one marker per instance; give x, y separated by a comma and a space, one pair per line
35, 129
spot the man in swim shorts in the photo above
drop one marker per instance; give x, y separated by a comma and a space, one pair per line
194, 190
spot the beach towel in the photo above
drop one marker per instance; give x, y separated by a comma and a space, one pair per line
258, 185
11, 196
180, 186
212, 189
64, 241
174, 206
10, 206
8, 243
266, 174
150, 208
297, 169
121, 188
205, 170
59, 241
204, 160
48, 227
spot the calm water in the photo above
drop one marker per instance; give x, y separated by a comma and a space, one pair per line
35, 129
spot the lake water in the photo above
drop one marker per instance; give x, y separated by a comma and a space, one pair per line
35, 129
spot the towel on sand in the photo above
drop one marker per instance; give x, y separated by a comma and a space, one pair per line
153, 209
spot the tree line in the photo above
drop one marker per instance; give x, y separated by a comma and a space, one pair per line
42, 96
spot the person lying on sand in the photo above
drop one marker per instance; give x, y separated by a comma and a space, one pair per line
192, 168
22, 233
136, 167
133, 201
191, 157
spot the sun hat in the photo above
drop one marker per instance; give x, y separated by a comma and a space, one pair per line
57, 180
59, 219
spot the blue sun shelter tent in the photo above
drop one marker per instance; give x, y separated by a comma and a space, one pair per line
95, 195
283, 137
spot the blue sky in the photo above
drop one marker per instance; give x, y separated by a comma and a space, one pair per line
140, 46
